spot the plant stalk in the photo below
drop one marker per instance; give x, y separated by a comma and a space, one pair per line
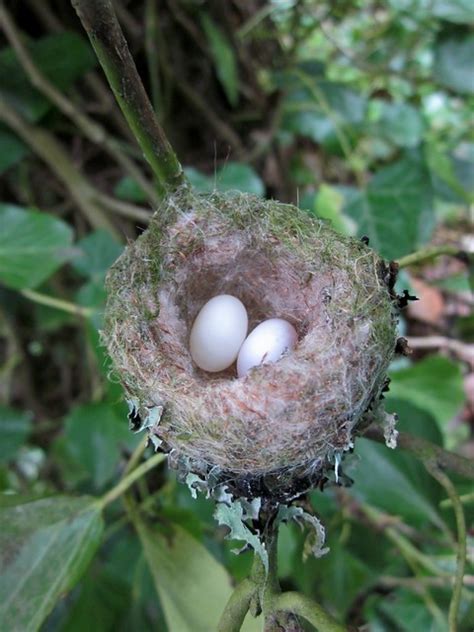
106, 36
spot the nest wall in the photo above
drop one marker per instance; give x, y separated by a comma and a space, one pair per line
282, 421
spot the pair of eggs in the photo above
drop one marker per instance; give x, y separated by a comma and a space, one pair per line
219, 337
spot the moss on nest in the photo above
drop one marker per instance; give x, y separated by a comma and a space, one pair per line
274, 431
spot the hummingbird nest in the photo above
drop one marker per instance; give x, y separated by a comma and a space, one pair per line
275, 432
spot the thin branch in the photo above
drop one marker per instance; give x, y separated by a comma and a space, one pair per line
108, 41
445, 481
57, 303
49, 149
90, 128
126, 209
427, 254
428, 452
461, 349
130, 478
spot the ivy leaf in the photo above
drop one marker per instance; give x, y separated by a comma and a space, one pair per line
395, 210
457, 11
97, 253
45, 546
33, 245
453, 62
233, 176
433, 384
402, 124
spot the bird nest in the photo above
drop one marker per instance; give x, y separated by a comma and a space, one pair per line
275, 431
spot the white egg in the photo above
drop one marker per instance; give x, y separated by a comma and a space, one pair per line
218, 333
266, 343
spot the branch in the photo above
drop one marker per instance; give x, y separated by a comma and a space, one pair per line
58, 303
49, 149
443, 480
108, 41
428, 452
427, 254
90, 128
129, 479
463, 350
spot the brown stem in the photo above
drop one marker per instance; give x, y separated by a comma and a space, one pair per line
428, 452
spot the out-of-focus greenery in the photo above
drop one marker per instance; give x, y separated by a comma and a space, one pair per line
360, 113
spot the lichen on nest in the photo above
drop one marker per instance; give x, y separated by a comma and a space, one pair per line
273, 432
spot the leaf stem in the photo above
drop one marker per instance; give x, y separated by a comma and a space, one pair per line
445, 481
427, 254
128, 480
57, 303
106, 36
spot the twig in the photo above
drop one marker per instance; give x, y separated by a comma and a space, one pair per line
461, 349
427, 254
49, 149
132, 211
57, 303
105, 34
128, 480
90, 128
465, 499
428, 452
445, 481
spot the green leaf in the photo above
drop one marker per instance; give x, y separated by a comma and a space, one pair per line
93, 437
45, 546
434, 384
15, 426
316, 108
328, 205
237, 176
193, 587
342, 577
97, 253
458, 11
62, 58
12, 150
103, 598
402, 124
453, 62
407, 610
233, 176
381, 480
128, 189
224, 58
396, 208
33, 245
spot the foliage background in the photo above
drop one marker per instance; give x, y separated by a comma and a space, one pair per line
358, 112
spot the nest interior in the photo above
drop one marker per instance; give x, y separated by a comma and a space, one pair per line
284, 420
